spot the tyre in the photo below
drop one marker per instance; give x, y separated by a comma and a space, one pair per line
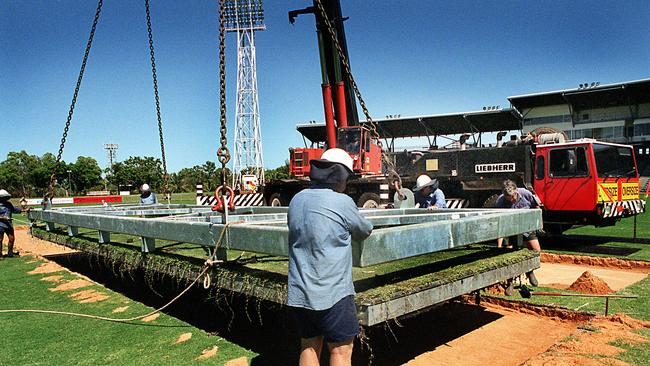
491, 201
369, 200
278, 199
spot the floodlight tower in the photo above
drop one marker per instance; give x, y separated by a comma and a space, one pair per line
245, 17
111, 152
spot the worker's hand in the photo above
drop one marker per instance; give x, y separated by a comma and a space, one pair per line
433, 207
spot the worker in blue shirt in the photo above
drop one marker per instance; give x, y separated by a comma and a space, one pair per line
513, 197
322, 224
427, 194
6, 226
147, 197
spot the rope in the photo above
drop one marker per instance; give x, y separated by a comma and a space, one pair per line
208, 264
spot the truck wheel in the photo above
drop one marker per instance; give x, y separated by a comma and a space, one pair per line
369, 200
491, 201
277, 200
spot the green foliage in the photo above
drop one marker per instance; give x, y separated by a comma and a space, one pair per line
85, 174
29, 175
281, 172
136, 171
207, 174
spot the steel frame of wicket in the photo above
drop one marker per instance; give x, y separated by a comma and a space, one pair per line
398, 233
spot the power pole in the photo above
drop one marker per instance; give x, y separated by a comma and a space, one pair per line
245, 17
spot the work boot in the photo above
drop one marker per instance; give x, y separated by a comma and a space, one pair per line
509, 288
532, 279
13, 254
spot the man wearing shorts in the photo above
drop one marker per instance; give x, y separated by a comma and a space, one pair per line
6, 226
514, 197
322, 224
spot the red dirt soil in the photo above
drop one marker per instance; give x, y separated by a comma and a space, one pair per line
596, 261
587, 283
591, 344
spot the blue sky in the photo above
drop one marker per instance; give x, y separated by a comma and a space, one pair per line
409, 57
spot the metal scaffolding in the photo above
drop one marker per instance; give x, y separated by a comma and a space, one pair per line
398, 233
245, 17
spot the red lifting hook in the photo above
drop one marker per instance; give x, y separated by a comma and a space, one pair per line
219, 205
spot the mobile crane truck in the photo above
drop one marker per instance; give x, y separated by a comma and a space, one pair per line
583, 182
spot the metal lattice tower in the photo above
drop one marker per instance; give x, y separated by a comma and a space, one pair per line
111, 153
245, 17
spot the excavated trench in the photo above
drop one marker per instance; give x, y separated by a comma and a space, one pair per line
266, 328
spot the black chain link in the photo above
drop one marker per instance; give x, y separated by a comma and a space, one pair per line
155, 91
372, 126
50, 188
223, 154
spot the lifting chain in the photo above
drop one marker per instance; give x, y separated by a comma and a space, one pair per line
372, 126
223, 154
155, 91
50, 188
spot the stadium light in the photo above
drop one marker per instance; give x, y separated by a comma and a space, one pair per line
244, 15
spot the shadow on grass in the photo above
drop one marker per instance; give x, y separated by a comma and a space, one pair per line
588, 244
606, 239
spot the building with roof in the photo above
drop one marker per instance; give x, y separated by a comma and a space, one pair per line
617, 112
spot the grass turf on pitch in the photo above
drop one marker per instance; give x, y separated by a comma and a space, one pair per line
30, 339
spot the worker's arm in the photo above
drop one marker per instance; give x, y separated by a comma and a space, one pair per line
439, 199
360, 227
528, 195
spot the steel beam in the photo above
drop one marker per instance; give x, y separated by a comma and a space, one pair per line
399, 233
421, 299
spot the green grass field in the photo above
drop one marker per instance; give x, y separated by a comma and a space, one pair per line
41, 339
612, 241
616, 241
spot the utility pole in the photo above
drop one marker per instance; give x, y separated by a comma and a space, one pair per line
245, 17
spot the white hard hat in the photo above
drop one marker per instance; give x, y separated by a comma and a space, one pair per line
340, 156
145, 188
424, 181
4, 193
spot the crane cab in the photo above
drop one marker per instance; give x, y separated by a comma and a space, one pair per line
366, 155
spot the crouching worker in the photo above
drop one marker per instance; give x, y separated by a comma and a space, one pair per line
427, 193
514, 197
322, 224
6, 225
146, 196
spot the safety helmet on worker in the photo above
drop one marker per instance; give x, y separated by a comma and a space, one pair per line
336, 155
4, 193
145, 188
425, 181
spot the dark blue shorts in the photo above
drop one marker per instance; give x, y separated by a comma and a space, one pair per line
337, 324
9, 230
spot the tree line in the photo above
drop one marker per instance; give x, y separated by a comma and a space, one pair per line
26, 175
